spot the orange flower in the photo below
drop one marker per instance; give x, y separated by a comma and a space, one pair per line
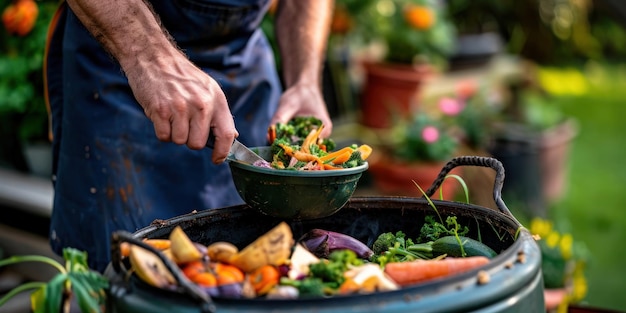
341, 22
20, 17
419, 17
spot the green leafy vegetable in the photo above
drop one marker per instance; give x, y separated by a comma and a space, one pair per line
326, 276
331, 270
390, 247
74, 280
296, 129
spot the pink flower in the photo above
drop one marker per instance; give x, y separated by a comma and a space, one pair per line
451, 106
430, 134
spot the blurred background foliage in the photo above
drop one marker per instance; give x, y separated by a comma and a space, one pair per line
545, 31
21, 75
578, 45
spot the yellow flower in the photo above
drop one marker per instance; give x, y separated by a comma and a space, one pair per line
553, 239
566, 246
579, 283
540, 227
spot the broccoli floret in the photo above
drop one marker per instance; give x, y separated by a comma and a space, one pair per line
354, 160
346, 257
383, 242
331, 270
390, 247
329, 143
433, 230
309, 286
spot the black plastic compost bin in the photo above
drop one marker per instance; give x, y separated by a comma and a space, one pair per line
515, 279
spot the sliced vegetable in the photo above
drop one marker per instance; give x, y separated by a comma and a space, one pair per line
221, 251
273, 248
159, 244
299, 262
149, 267
264, 279
300, 155
323, 242
226, 273
366, 278
311, 139
338, 157
183, 249
365, 151
413, 272
297, 145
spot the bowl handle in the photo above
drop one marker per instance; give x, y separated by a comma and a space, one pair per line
185, 284
476, 161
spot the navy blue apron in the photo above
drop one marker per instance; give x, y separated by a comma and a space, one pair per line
110, 171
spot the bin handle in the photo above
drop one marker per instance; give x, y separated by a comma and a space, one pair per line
121, 236
476, 161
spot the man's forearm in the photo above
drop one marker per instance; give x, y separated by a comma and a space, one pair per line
302, 28
128, 30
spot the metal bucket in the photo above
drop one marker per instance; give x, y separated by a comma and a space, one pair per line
515, 278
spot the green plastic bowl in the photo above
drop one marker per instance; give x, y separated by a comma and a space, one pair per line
294, 194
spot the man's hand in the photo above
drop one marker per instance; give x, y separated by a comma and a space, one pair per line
182, 101
303, 100
302, 29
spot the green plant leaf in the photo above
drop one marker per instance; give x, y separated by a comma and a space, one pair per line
38, 298
88, 289
54, 293
21, 288
76, 260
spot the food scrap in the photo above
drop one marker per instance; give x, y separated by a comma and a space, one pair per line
297, 145
321, 263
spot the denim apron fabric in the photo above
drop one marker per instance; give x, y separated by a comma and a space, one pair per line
110, 171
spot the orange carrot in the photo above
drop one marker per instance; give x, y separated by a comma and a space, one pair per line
338, 157
271, 133
159, 244
310, 139
299, 155
413, 272
330, 167
365, 151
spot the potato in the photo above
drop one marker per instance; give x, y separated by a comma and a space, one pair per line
273, 248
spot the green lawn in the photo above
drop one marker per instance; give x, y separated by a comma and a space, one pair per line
594, 209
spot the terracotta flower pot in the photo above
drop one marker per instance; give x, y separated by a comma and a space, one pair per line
554, 148
398, 178
390, 90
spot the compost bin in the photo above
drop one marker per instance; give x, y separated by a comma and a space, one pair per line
515, 281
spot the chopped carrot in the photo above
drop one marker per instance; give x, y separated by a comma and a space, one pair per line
300, 155
330, 167
264, 279
413, 272
349, 286
159, 244
227, 272
365, 150
271, 133
339, 156
311, 138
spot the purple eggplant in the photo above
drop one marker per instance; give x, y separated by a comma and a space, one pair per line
322, 242
230, 291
